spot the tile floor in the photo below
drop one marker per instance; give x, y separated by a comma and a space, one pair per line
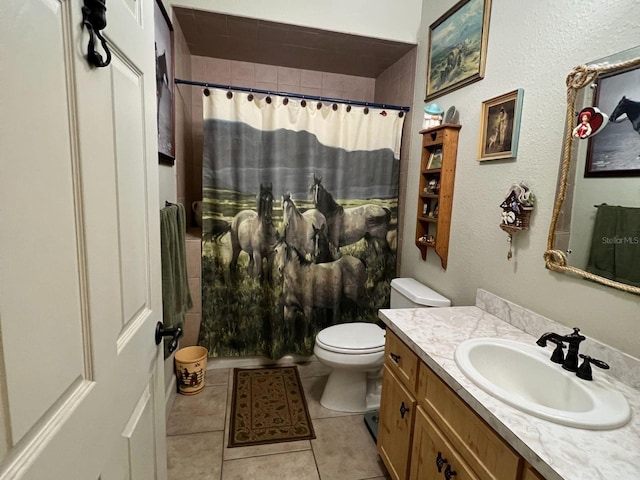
197, 433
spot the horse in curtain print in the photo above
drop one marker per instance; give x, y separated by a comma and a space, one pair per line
348, 225
213, 229
299, 228
255, 234
307, 285
324, 251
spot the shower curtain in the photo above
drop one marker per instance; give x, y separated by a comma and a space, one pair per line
299, 219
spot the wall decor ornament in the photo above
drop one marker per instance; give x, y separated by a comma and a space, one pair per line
458, 47
432, 187
435, 159
432, 116
590, 121
434, 212
500, 126
516, 211
452, 116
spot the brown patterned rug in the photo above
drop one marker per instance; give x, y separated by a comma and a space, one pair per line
268, 406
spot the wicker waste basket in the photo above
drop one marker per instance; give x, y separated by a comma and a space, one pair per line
191, 365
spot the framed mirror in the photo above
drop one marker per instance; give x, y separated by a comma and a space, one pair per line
595, 227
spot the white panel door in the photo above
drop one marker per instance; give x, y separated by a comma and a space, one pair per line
81, 379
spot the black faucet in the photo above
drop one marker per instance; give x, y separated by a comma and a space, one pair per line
574, 339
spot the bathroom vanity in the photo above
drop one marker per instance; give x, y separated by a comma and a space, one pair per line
434, 421
445, 430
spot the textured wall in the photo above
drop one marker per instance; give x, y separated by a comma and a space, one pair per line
183, 140
532, 45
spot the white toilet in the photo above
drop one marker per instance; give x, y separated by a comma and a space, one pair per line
355, 351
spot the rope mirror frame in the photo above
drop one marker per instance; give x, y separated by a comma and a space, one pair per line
578, 78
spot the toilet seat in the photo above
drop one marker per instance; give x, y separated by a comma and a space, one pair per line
352, 338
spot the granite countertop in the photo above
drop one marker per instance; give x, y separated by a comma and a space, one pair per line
558, 452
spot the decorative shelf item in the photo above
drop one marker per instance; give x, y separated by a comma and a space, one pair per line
590, 121
435, 193
516, 211
432, 116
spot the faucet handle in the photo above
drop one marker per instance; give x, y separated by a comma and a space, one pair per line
558, 354
584, 371
576, 335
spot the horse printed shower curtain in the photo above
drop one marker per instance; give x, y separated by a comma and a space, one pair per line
299, 219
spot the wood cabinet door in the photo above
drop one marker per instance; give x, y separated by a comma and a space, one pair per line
395, 428
402, 361
486, 452
432, 456
529, 473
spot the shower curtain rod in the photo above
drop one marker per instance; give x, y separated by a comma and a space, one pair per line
178, 81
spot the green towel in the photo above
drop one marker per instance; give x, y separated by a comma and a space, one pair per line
627, 246
176, 298
615, 244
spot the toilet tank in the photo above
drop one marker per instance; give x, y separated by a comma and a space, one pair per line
409, 293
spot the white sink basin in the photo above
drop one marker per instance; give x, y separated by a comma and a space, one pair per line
523, 376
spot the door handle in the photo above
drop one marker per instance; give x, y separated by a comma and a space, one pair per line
440, 462
403, 410
448, 473
175, 333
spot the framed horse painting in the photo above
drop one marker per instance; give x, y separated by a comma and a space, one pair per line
458, 47
615, 150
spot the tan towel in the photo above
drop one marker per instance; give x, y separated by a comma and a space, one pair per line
176, 298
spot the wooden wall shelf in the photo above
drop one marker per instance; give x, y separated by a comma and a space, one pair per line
435, 194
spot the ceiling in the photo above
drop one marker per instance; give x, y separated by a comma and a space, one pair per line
249, 40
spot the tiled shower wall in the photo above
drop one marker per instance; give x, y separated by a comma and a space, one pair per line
184, 157
183, 114
394, 86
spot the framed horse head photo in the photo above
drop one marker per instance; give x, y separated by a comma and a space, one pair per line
615, 151
164, 84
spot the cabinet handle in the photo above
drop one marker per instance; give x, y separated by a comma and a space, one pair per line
394, 357
448, 473
403, 410
440, 462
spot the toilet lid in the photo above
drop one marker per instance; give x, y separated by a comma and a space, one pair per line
352, 338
